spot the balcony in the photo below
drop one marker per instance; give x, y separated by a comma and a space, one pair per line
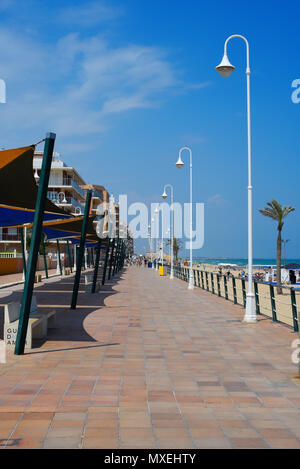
9, 237
69, 182
71, 201
66, 183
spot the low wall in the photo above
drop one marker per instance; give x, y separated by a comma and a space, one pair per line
10, 265
13, 265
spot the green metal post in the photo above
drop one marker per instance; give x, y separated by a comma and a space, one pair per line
105, 261
202, 280
273, 304
244, 291
58, 256
44, 255
225, 287
198, 278
294, 310
212, 283
111, 260
23, 249
81, 249
35, 243
69, 257
120, 256
234, 291
206, 279
218, 284
116, 258
95, 278
256, 298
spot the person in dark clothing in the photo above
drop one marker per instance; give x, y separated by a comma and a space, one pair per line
292, 277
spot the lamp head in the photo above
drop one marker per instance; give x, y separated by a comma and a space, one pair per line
180, 163
225, 68
164, 196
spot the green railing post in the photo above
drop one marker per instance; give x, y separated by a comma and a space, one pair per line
218, 284
225, 287
44, 256
81, 249
234, 291
294, 310
244, 291
273, 304
105, 261
202, 280
257, 305
58, 256
35, 244
206, 279
23, 249
96, 268
212, 283
198, 278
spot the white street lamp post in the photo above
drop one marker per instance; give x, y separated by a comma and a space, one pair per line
225, 69
152, 221
164, 196
180, 165
157, 234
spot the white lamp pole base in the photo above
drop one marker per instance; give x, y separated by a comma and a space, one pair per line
171, 274
191, 282
250, 315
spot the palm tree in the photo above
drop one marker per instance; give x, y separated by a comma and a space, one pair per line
177, 245
278, 213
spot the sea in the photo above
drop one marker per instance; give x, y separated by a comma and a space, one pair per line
242, 262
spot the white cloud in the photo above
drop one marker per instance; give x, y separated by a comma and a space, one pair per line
216, 199
74, 86
89, 14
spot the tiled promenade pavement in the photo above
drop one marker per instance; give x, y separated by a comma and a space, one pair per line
148, 364
12, 278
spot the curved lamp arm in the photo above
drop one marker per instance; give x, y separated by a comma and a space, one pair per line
247, 47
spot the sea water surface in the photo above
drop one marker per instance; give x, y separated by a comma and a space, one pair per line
241, 262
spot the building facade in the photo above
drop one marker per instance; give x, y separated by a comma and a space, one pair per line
67, 189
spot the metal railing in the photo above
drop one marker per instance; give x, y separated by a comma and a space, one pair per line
283, 308
73, 183
10, 255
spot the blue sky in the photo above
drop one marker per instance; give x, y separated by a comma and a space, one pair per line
126, 84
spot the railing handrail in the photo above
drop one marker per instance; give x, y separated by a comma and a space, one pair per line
202, 281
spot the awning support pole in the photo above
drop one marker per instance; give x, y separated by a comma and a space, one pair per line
35, 244
105, 261
81, 249
116, 257
96, 266
111, 258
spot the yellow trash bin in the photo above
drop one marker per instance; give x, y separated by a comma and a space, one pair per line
161, 270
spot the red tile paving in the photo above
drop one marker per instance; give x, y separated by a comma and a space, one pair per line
13, 278
146, 363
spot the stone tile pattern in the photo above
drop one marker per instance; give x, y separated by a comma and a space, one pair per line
148, 364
